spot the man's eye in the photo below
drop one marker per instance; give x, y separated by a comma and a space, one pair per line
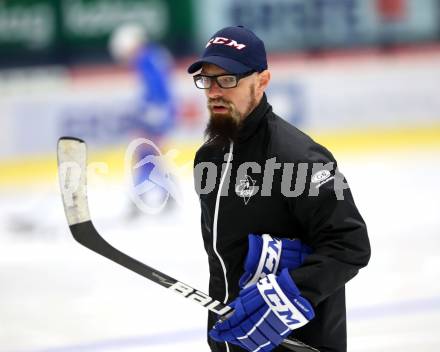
227, 79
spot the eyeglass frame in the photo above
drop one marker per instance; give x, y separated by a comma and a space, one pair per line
238, 77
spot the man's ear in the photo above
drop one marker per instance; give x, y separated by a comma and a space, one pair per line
264, 79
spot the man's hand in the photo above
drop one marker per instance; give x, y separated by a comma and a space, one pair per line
265, 313
269, 255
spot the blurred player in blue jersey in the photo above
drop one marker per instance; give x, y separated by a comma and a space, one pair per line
155, 113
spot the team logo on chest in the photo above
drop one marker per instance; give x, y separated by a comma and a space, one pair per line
246, 189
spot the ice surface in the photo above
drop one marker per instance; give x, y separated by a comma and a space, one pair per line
55, 295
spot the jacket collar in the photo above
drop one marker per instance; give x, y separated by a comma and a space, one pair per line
252, 121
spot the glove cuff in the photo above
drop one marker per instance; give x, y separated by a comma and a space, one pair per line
288, 286
265, 263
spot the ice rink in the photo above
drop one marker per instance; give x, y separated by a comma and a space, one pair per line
56, 296
360, 77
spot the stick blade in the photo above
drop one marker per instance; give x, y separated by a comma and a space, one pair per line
72, 172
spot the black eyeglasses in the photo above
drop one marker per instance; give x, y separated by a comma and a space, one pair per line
225, 81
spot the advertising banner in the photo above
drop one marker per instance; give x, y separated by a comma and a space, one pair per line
286, 25
317, 96
39, 31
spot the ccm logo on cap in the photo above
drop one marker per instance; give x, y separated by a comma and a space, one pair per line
227, 42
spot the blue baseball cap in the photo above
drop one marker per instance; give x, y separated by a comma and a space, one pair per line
234, 49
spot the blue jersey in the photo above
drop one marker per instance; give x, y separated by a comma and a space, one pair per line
156, 115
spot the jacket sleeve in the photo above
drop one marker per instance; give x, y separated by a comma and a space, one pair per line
331, 224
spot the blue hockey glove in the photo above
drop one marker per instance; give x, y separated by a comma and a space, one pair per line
264, 314
269, 255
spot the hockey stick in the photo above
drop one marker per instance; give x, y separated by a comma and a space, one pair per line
72, 168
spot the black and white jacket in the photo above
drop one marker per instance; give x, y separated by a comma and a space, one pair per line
275, 179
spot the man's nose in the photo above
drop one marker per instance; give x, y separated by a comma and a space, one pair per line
215, 90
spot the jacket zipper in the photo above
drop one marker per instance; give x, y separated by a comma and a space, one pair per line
214, 230
217, 205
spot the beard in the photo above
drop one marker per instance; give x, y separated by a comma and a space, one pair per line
223, 128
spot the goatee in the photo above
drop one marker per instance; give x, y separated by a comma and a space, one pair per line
223, 128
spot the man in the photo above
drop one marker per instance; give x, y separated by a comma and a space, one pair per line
154, 115
129, 45
279, 223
